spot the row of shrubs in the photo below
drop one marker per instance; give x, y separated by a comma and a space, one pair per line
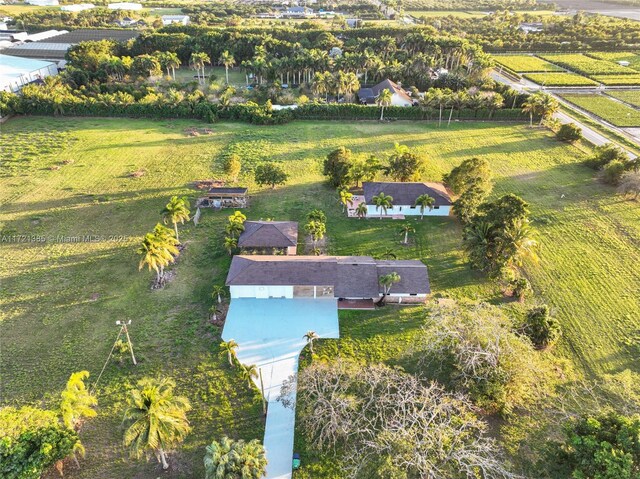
248, 112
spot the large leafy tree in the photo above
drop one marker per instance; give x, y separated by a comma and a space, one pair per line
270, 173
403, 164
176, 211
229, 459
337, 166
156, 419
77, 402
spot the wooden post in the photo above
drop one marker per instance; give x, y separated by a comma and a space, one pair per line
126, 331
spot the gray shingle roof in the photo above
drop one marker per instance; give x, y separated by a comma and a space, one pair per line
269, 234
351, 276
406, 193
370, 94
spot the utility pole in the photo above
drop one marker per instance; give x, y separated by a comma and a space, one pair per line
123, 328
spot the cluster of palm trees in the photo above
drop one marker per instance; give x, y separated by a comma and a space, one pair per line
445, 99
542, 105
234, 228
197, 61
159, 248
341, 84
228, 459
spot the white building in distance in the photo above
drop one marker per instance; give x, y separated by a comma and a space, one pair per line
78, 7
169, 19
124, 6
43, 3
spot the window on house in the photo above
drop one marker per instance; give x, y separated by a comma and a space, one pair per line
436, 207
413, 294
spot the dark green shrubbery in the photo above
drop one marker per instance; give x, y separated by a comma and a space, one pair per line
569, 132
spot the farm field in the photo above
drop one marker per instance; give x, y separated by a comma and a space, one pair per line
631, 57
559, 79
10, 10
526, 64
72, 177
585, 65
631, 97
608, 109
618, 80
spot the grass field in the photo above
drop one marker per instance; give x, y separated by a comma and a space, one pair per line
526, 64
585, 65
559, 79
609, 110
60, 299
11, 10
631, 97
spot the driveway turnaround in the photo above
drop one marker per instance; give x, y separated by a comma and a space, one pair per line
269, 333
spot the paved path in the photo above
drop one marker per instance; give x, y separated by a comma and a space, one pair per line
270, 335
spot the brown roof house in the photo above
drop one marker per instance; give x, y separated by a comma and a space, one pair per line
333, 277
269, 237
404, 198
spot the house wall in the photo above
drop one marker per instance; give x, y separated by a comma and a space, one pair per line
408, 210
405, 298
261, 291
397, 100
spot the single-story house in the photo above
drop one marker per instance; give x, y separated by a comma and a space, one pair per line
225, 197
43, 3
404, 198
332, 277
78, 7
270, 237
534, 27
300, 12
169, 19
399, 97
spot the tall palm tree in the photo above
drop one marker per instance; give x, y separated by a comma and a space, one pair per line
197, 61
387, 281
158, 250
229, 348
235, 459
519, 242
230, 244
228, 61
425, 201
311, 336
361, 210
350, 85
177, 210
156, 419
248, 373
384, 99
405, 229
217, 292
457, 101
77, 402
346, 198
172, 60
383, 203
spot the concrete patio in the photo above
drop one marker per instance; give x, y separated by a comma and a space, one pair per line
270, 333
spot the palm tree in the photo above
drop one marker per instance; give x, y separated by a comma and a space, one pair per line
217, 292
237, 217
383, 203
177, 210
158, 250
197, 61
317, 230
77, 402
229, 348
389, 253
405, 229
520, 242
387, 281
361, 210
384, 99
311, 336
228, 61
457, 101
172, 61
424, 201
350, 85
530, 106
248, 373
346, 198
234, 229
156, 419
235, 459
230, 244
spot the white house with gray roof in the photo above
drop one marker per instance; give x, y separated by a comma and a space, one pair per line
404, 198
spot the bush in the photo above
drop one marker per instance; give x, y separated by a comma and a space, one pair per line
605, 154
569, 132
613, 171
540, 327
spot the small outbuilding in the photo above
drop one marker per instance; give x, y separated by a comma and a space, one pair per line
179, 19
225, 197
269, 237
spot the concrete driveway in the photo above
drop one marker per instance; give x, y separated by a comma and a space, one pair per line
270, 333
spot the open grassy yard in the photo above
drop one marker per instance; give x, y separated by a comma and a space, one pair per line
608, 109
60, 298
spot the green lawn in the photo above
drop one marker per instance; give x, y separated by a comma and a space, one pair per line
60, 300
614, 112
